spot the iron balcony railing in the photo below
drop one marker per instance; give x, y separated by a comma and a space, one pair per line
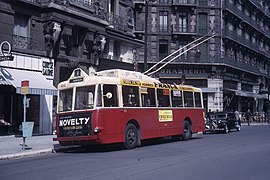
115, 21
185, 2
245, 18
21, 42
179, 29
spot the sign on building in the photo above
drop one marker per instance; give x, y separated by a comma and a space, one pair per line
5, 56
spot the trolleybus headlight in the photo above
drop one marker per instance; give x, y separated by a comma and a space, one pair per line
97, 130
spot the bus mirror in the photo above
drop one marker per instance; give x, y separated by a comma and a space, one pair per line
109, 95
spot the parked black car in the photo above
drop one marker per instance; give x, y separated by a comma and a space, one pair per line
222, 121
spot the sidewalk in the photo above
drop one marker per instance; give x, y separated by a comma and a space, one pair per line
11, 146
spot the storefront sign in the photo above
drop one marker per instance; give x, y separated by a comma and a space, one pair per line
5, 56
47, 68
25, 87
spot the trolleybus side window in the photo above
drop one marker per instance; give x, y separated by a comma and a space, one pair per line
163, 96
130, 96
177, 100
188, 99
84, 97
110, 95
148, 97
198, 102
65, 100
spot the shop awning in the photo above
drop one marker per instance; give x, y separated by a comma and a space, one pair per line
38, 84
248, 94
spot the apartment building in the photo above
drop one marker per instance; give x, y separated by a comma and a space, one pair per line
232, 68
48, 39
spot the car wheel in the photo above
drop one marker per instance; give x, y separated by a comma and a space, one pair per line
238, 128
226, 129
131, 136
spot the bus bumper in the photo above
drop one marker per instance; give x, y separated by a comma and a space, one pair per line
77, 140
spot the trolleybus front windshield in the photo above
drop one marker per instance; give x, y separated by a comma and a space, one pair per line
84, 99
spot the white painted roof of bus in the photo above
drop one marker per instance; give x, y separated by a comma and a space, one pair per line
125, 74
113, 76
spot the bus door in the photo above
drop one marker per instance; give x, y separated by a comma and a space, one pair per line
111, 112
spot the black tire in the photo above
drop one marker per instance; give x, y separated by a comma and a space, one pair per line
131, 136
187, 133
238, 128
226, 129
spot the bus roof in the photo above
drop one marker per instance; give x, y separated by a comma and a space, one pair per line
118, 76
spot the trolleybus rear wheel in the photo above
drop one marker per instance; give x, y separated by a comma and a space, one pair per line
187, 133
131, 136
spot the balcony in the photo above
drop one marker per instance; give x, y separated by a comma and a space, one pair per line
241, 65
184, 30
240, 14
116, 22
21, 42
240, 39
245, 18
184, 3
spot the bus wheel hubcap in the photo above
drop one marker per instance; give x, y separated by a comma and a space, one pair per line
131, 137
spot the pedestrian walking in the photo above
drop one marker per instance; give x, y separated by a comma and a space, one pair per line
248, 116
237, 116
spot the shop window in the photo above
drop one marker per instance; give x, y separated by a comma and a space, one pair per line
110, 95
163, 96
130, 96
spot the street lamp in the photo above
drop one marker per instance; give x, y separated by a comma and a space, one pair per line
145, 66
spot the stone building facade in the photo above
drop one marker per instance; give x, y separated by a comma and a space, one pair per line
53, 37
232, 68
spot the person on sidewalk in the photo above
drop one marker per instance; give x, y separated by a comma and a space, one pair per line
248, 117
237, 116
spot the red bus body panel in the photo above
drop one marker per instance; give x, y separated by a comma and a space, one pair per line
112, 123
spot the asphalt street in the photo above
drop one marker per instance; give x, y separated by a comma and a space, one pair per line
243, 155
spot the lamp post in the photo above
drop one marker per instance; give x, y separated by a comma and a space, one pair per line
145, 66
268, 92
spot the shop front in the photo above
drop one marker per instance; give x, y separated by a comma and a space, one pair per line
39, 106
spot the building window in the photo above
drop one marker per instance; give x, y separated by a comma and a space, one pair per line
181, 45
163, 48
203, 23
163, 1
116, 50
163, 21
183, 22
203, 2
21, 32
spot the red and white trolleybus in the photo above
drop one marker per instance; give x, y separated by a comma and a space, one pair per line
123, 106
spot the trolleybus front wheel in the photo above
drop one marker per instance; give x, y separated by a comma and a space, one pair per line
131, 136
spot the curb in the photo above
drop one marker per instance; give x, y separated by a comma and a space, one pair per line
26, 154
37, 152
